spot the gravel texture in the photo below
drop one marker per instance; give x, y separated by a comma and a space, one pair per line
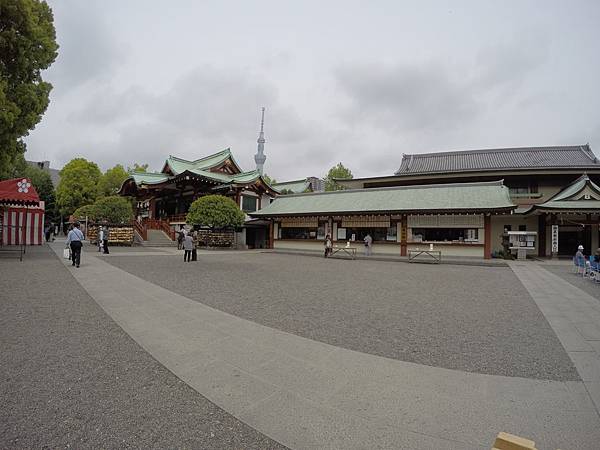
566, 273
476, 319
72, 378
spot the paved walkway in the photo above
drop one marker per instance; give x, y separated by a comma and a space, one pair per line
573, 314
307, 394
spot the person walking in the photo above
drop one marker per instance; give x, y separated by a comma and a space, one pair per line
75, 241
328, 245
368, 245
105, 237
47, 231
188, 246
194, 250
180, 237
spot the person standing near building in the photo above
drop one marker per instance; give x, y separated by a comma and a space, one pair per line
75, 241
47, 232
100, 238
105, 236
180, 237
194, 250
368, 245
188, 246
328, 246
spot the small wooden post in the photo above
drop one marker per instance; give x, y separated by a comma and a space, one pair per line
487, 236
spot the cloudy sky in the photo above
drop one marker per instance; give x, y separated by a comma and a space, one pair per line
352, 81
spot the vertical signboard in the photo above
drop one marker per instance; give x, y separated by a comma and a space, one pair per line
554, 238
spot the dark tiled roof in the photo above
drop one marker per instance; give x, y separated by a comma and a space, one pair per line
498, 159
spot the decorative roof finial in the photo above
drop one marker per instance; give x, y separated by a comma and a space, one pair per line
260, 157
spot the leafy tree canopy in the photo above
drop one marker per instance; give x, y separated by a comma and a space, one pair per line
111, 181
215, 211
339, 172
88, 211
113, 209
27, 46
138, 167
286, 191
78, 185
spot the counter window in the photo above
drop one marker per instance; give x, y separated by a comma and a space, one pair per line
445, 234
298, 233
378, 234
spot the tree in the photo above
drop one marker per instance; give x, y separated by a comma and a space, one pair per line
215, 211
286, 191
27, 46
111, 181
88, 211
113, 209
337, 172
78, 185
138, 168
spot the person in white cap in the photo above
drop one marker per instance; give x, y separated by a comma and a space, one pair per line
579, 256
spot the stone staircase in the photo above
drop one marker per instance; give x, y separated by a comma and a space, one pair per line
157, 238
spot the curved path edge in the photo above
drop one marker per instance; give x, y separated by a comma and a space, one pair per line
307, 394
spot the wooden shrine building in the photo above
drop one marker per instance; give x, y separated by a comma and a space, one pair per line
163, 198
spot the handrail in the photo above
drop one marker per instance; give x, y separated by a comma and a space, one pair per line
167, 229
141, 229
158, 224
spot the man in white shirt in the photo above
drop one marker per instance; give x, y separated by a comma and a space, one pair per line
75, 240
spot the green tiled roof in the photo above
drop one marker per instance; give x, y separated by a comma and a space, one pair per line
200, 167
148, 177
180, 165
568, 198
442, 197
297, 186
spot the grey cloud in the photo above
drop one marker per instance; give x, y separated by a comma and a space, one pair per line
88, 50
405, 97
203, 111
508, 64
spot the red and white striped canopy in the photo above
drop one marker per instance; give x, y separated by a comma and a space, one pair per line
18, 191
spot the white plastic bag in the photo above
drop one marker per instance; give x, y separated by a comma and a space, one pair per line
67, 253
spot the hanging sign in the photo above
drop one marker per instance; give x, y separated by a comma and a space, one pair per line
554, 238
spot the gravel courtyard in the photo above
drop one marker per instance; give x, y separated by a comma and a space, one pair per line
476, 319
72, 378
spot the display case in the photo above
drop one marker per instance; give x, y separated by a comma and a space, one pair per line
522, 242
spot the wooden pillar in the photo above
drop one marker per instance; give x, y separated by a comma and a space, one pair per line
259, 202
152, 208
403, 235
271, 238
542, 235
487, 236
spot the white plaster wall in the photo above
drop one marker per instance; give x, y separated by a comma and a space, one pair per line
498, 223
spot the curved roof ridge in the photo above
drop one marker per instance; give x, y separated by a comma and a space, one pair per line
224, 151
585, 148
